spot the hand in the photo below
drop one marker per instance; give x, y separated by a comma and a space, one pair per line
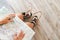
8, 18
19, 37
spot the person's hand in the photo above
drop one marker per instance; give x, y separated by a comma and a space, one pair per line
19, 37
8, 18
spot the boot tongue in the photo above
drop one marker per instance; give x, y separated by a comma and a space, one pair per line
29, 14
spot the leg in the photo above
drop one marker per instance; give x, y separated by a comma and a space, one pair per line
32, 23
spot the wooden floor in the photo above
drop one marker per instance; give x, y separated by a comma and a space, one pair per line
48, 27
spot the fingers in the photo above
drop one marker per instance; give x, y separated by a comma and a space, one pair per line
15, 37
8, 18
11, 16
19, 37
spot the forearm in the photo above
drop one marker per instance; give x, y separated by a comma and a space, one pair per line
1, 22
4, 21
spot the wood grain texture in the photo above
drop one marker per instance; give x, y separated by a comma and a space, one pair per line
49, 22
